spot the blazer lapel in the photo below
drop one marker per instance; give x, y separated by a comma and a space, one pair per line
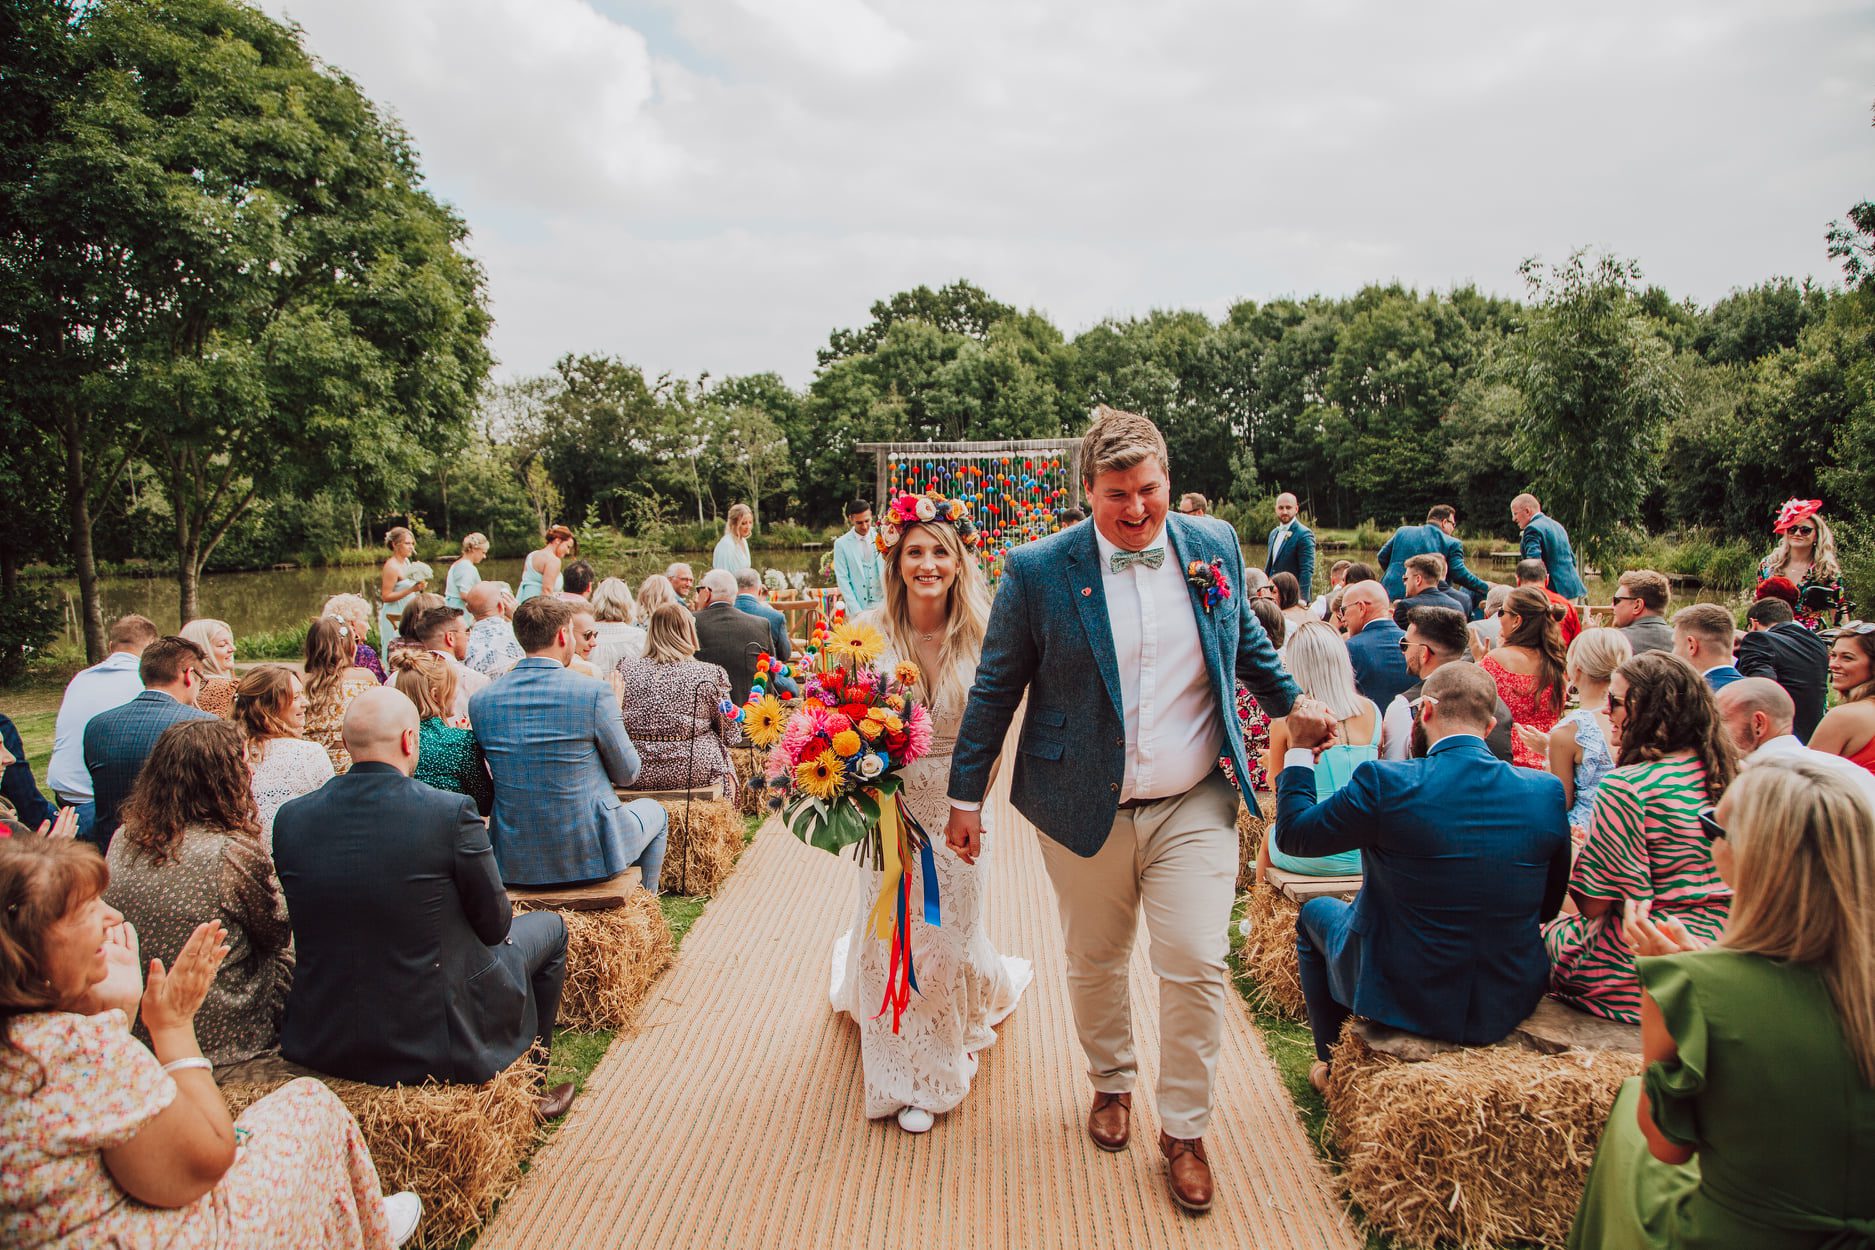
1084, 587
1185, 543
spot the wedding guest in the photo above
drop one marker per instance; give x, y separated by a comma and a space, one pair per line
1318, 660
439, 631
540, 571
411, 962
1760, 718
1463, 855
681, 579
492, 648
414, 609
1640, 604
1424, 573
270, 711
398, 579
1532, 573
672, 709
1373, 642
1545, 539
354, 611
556, 747
1673, 759
1488, 631
216, 639
1289, 599
448, 756
107, 1142
118, 740
1434, 638
463, 574
1291, 546
332, 682
17, 785
1529, 668
191, 847
1749, 1126
654, 591
1438, 536
1704, 636
1849, 728
576, 583
727, 636
1337, 575
1191, 503
106, 684
585, 629
1776, 646
1578, 749
615, 615
1357, 573
732, 549
858, 568
749, 599
1805, 555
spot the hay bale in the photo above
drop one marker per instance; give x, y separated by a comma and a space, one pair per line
1252, 827
1486, 1146
704, 840
751, 778
459, 1147
612, 957
1268, 951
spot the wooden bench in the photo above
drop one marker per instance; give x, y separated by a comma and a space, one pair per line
592, 896
1299, 888
697, 794
617, 942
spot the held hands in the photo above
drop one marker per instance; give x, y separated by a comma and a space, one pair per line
1649, 935
1311, 725
171, 999
963, 833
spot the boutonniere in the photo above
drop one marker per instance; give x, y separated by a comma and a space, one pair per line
1209, 581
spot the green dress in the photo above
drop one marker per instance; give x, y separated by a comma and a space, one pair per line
1765, 1089
449, 758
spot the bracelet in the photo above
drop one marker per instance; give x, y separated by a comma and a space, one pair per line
193, 1061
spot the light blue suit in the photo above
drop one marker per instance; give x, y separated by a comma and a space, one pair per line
859, 571
1049, 637
1545, 539
556, 746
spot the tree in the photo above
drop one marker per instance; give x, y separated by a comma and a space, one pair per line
755, 454
960, 308
1598, 392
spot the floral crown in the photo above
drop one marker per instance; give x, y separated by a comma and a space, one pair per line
929, 508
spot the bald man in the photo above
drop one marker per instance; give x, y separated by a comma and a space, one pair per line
493, 648
411, 963
1380, 671
1761, 717
1291, 544
728, 636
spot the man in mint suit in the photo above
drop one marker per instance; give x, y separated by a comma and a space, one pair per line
858, 568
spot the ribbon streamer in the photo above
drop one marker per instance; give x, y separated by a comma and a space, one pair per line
901, 843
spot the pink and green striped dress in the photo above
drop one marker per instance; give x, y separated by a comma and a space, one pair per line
1644, 842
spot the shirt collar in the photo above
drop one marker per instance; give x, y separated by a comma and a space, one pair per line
117, 661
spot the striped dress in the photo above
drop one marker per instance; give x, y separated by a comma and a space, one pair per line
1644, 843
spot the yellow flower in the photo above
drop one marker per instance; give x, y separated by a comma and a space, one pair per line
896, 702
870, 729
891, 721
823, 776
860, 644
845, 743
763, 721
906, 673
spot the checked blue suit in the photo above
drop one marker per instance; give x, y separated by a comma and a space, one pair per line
117, 742
556, 746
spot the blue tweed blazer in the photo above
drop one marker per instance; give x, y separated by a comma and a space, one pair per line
556, 746
1049, 638
117, 741
1545, 539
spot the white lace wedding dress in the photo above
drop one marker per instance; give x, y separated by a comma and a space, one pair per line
964, 989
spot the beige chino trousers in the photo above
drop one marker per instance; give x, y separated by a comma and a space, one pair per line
1176, 858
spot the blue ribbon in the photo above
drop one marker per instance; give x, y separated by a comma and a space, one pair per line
930, 883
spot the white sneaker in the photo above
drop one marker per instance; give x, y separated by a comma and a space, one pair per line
403, 1212
915, 1119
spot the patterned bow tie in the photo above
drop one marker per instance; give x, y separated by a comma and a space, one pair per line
1152, 558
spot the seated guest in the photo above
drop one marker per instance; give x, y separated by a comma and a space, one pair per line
1434, 638
411, 961
492, 648
1424, 573
1568, 621
449, 758
1760, 719
1318, 659
108, 1142
673, 709
681, 580
106, 684
1750, 1125
1640, 604
749, 600
190, 847
585, 629
270, 712
1704, 636
406, 636
1250, 714
655, 590
578, 580
216, 639
119, 739
440, 632
1579, 749
1464, 856
1337, 577
1529, 667
1672, 760
1488, 630
1373, 642
332, 682
556, 748
1776, 646
1849, 729
16, 782
727, 637
615, 615
1357, 573
352, 610
1289, 598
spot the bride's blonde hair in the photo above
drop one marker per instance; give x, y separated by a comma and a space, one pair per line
966, 618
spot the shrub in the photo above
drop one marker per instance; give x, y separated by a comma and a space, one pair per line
1730, 566
787, 534
1855, 547
1369, 534
271, 644
29, 619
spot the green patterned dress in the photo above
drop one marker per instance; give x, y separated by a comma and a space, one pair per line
449, 758
1644, 843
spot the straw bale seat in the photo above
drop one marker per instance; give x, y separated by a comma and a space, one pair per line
1476, 1146
617, 942
459, 1147
705, 838
1268, 949
751, 766
1252, 827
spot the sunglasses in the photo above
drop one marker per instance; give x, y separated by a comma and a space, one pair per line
1803, 531
1618, 701
1407, 644
588, 634
1709, 824
1624, 599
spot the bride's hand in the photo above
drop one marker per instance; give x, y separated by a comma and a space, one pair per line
963, 833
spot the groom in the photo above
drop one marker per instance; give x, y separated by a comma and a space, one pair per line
1130, 681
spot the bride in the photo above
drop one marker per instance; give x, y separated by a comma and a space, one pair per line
936, 607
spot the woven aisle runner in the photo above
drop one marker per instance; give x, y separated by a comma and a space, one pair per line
733, 1118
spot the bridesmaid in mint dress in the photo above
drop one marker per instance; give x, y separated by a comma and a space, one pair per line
1753, 1126
397, 581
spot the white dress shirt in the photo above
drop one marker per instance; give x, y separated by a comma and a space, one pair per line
1173, 728
1282, 536
1790, 746
1396, 730
112, 682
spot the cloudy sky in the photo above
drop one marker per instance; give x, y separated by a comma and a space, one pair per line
715, 184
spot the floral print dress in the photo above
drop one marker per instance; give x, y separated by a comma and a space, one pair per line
1528, 706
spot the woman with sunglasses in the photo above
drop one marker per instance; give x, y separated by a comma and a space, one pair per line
1806, 556
1848, 729
1673, 760
1760, 1048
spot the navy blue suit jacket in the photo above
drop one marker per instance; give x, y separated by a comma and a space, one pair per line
1545, 539
1463, 856
1795, 659
1379, 664
117, 741
17, 784
1426, 540
1297, 555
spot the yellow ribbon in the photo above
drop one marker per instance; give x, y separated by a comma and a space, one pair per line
891, 865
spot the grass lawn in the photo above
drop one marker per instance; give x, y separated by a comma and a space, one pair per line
36, 732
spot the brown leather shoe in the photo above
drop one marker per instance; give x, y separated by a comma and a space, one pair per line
554, 1103
1110, 1123
1187, 1172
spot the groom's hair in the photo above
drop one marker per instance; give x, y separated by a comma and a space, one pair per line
1117, 441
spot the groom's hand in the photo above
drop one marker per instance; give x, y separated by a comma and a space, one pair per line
963, 833
1311, 725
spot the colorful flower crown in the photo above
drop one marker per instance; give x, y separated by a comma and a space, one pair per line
929, 508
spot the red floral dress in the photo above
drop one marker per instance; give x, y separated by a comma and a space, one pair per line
1256, 739
1528, 706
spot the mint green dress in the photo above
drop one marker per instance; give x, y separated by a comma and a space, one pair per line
1766, 1090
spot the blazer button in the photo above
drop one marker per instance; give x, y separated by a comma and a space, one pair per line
1119, 742
1114, 786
